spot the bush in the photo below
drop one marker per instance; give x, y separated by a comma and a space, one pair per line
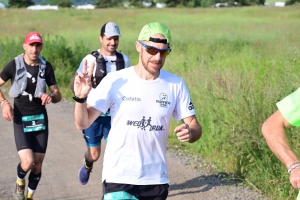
65, 4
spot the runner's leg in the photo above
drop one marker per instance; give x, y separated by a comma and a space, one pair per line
35, 174
26, 157
40, 143
23, 145
92, 136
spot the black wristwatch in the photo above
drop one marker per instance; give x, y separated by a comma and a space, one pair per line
79, 100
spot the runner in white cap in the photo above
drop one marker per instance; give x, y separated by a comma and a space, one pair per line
106, 59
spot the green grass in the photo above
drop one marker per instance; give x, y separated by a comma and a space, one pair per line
4, 1
237, 63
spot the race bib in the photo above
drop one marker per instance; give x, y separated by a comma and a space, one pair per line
119, 195
33, 123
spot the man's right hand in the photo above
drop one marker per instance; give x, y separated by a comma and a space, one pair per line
82, 82
8, 112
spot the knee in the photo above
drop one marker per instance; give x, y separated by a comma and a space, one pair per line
37, 167
27, 164
93, 156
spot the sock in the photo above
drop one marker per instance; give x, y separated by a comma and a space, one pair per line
20, 182
20, 175
33, 180
88, 164
21, 172
30, 193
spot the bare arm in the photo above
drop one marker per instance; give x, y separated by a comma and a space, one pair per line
273, 131
7, 110
55, 91
85, 115
190, 131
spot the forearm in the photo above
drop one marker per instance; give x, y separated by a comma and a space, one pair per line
273, 131
3, 100
81, 115
190, 131
278, 144
56, 95
196, 131
1, 96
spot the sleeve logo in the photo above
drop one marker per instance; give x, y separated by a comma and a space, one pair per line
191, 106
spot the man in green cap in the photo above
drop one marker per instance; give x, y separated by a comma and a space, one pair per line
142, 100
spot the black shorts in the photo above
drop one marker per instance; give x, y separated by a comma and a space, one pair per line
141, 192
36, 140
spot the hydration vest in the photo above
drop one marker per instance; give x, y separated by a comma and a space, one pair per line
20, 81
101, 72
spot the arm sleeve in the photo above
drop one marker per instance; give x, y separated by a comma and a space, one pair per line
8, 71
126, 60
100, 97
184, 106
289, 107
50, 77
90, 59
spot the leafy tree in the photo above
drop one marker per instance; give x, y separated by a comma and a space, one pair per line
65, 4
107, 3
291, 2
192, 3
260, 2
172, 3
20, 3
207, 3
136, 3
53, 2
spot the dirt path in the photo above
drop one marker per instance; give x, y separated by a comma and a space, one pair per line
65, 155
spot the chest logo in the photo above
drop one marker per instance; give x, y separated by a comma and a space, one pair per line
163, 100
145, 124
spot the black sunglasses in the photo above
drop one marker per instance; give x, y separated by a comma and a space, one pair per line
153, 50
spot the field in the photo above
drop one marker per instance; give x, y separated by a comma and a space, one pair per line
237, 63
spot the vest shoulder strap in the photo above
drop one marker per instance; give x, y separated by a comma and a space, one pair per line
120, 63
95, 53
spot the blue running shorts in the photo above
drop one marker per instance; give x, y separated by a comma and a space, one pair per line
98, 129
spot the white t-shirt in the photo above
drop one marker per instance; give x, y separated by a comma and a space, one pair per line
110, 66
141, 111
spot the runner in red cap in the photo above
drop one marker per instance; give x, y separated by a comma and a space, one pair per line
33, 37
29, 73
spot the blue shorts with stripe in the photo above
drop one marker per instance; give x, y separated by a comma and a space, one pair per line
98, 129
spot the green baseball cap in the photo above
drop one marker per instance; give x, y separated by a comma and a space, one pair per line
154, 28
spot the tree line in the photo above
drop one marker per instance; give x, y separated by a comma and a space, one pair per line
140, 3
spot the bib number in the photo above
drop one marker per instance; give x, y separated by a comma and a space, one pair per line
33, 123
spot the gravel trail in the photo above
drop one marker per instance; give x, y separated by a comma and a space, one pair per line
64, 157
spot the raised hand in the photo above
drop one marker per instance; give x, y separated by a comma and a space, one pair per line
82, 82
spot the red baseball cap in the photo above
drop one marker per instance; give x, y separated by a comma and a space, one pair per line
33, 37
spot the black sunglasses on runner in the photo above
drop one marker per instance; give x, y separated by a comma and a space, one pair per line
153, 50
